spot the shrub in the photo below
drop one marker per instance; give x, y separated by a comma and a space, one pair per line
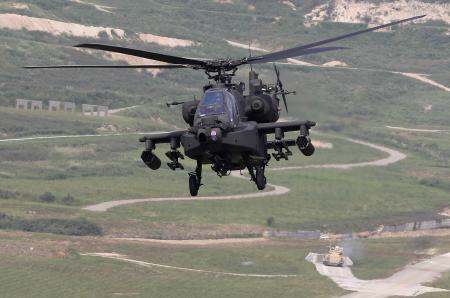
47, 197
5, 194
57, 176
73, 227
72, 252
68, 200
270, 222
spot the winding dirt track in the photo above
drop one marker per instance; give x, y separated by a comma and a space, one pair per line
119, 257
67, 137
393, 157
418, 129
277, 190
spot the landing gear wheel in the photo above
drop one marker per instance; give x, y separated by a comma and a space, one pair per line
194, 185
260, 179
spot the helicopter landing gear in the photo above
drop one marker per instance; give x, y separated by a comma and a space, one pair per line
260, 180
194, 184
195, 179
256, 171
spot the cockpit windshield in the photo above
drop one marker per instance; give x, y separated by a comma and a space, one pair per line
220, 103
213, 103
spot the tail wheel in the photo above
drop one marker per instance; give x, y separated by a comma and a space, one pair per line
194, 185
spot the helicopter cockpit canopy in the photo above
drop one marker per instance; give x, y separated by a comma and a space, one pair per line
218, 103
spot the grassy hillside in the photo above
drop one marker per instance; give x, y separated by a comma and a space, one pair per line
343, 101
55, 267
360, 95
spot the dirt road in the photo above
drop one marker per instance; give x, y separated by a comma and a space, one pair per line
277, 190
124, 258
418, 129
407, 282
198, 242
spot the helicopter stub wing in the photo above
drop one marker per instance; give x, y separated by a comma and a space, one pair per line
163, 137
173, 138
281, 145
268, 128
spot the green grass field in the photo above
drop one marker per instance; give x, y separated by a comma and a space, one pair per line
97, 170
54, 267
53, 275
94, 170
345, 103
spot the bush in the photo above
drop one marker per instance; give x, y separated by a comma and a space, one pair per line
5, 194
72, 252
57, 176
270, 222
73, 227
47, 197
68, 200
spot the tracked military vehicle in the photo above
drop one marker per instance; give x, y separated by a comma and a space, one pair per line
334, 257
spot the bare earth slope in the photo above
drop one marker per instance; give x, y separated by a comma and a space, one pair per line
353, 11
57, 28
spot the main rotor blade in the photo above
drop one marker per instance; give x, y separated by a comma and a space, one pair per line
164, 66
143, 54
294, 52
303, 50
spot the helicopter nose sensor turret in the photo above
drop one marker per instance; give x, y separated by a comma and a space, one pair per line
216, 135
213, 135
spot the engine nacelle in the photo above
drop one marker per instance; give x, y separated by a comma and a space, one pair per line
261, 108
189, 108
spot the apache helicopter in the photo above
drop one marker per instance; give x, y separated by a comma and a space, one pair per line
227, 128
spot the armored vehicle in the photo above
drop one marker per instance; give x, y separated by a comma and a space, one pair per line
334, 257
